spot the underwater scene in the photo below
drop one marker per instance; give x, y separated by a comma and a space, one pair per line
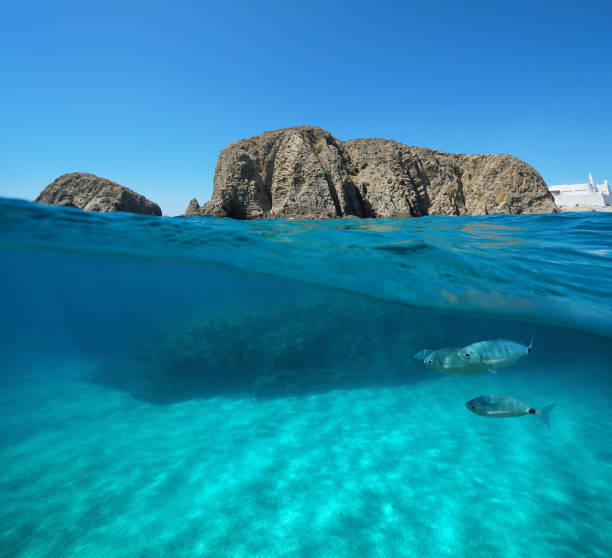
377, 387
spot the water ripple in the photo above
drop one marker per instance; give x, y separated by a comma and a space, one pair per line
553, 268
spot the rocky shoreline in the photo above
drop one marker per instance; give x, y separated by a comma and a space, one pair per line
305, 172
582, 208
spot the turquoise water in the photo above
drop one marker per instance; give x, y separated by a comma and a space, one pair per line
205, 387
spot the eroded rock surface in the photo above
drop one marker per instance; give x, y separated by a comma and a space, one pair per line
306, 172
92, 193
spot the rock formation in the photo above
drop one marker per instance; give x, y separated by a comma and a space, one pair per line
294, 348
92, 193
306, 172
193, 208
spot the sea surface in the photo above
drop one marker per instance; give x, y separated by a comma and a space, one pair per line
209, 387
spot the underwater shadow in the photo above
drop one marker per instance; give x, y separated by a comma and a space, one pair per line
296, 349
130, 377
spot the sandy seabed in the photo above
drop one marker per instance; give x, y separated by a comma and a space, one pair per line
404, 471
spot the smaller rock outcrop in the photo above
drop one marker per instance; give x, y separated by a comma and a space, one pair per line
193, 208
92, 193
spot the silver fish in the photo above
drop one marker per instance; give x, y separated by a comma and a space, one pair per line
502, 406
424, 353
495, 354
447, 360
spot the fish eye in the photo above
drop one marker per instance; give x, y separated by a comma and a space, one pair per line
468, 355
473, 406
430, 361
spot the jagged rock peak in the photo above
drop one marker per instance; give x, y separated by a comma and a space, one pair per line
92, 193
193, 208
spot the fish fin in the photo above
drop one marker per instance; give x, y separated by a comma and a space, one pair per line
530, 344
492, 370
543, 414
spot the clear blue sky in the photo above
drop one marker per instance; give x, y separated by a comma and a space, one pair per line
148, 93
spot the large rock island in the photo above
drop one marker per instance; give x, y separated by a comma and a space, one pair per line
92, 193
306, 172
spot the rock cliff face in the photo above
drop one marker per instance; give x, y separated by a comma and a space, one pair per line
306, 172
92, 193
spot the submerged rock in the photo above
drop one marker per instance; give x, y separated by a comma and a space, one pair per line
290, 350
92, 193
306, 172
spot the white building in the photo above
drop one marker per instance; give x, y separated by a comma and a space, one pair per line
588, 193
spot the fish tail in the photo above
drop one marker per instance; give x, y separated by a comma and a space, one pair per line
543, 414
